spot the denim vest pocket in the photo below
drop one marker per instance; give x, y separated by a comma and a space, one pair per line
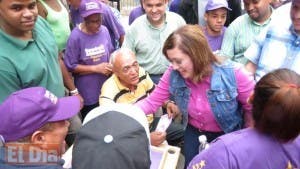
227, 95
226, 109
227, 98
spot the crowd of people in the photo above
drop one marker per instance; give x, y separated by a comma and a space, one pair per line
226, 69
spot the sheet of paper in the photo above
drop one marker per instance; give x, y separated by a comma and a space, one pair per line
163, 123
156, 158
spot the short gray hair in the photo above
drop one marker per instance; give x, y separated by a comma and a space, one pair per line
118, 52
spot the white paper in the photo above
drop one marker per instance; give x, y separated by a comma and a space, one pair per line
163, 123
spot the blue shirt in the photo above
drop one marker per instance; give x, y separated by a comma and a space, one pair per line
278, 48
239, 36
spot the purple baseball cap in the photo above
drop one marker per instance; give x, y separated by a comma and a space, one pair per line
216, 4
27, 110
89, 7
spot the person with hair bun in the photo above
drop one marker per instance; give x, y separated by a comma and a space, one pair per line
274, 142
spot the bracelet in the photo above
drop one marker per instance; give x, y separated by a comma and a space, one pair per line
169, 101
74, 92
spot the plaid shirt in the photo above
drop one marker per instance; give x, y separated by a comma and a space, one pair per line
278, 48
239, 36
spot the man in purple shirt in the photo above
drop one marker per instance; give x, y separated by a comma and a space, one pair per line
87, 54
215, 17
116, 30
274, 142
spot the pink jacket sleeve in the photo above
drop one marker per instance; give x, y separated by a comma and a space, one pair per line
160, 94
245, 85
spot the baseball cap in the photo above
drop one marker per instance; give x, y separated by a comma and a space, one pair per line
216, 4
27, 110
113, 136
89, 7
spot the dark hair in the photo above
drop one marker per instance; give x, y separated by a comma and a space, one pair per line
191, 41
276, 104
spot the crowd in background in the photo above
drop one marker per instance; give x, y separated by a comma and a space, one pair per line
226, 69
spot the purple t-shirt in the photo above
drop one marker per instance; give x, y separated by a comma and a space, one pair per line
248, 149
87, 49
136, 12
215, 42
115, 28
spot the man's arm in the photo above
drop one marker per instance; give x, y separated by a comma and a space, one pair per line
68, 81
254, 52
67, 78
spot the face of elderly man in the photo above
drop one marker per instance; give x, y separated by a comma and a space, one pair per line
126, 68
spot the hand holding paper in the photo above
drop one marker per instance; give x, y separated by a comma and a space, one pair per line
163, 123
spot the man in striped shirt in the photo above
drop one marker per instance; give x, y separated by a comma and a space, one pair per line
131, 83
242, 31
279, 47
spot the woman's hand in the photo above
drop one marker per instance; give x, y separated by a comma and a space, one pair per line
172, 109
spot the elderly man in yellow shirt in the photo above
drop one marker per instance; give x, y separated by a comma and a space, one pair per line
130, 83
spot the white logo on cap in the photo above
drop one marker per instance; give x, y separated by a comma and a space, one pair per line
91, 5
51, 97
108, 138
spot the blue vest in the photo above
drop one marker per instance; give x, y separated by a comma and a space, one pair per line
222, 96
